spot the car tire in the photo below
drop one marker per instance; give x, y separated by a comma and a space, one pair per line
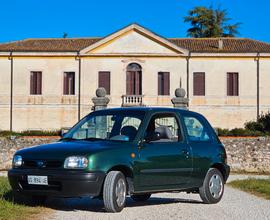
140, 197
213, 187
114, 191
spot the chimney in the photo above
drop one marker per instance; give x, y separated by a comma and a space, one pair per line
220, 44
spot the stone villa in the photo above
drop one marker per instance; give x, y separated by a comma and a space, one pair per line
49, 83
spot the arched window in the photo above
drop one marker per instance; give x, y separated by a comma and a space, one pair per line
134, 79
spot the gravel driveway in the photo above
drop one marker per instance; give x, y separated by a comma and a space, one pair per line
234, 205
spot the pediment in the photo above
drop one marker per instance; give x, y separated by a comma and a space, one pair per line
134, 40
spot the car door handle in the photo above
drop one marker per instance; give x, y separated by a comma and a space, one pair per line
185, 152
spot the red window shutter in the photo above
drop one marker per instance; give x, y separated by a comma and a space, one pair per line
65, 91
32, 83
160, 83
166, 81
228, 84
69, 83
199, 84
36, 83
137, 83
163, 83
129, 81
39, 83
232, 84
235, 84
104, 80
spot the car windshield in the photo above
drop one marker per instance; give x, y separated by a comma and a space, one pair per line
107, 125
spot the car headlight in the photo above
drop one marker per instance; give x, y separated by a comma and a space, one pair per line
76, 162
17, 161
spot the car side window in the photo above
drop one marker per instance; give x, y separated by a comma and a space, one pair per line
167, 126
195, 129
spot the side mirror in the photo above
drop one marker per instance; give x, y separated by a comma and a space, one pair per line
155, 136
63, 134
64, 130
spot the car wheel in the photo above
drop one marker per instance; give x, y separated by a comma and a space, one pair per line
141, 197
213, 187
114, 191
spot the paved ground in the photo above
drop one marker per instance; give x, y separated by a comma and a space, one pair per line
234, 205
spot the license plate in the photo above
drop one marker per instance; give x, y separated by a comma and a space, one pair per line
37, 180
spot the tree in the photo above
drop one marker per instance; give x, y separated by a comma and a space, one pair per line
209, 22
65, 35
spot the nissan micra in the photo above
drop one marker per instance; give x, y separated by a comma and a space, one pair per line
115, 153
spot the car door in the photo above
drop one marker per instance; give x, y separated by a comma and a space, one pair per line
201, 142
165, 163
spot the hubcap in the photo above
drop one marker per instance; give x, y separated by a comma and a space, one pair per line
216, 186
120, 192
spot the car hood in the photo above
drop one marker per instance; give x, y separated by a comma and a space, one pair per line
63, 149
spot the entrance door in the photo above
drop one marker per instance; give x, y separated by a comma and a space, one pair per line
134, 79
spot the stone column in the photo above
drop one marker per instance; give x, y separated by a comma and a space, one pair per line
100, 101
179, 101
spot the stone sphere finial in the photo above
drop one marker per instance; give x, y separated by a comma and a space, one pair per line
101, 92
180, 92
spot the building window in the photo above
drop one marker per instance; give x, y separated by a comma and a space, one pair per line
232, 84
199, 84
69, 83
163, 83
104, 80
36, 83
134, 79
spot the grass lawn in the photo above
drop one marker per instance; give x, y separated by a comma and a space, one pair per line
9, 210
258, 187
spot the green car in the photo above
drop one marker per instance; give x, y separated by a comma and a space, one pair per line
115, 153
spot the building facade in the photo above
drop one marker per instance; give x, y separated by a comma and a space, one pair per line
49, 83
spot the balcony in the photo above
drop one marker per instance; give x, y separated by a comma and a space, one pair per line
132, 100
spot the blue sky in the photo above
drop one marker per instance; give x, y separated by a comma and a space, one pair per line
82, 18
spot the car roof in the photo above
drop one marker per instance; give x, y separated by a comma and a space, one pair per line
153, 109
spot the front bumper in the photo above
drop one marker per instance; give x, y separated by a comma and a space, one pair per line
61, 183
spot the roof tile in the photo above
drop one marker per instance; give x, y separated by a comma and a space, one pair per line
200, 45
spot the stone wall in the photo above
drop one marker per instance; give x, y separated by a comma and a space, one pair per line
244, 154
248, 154
8, 146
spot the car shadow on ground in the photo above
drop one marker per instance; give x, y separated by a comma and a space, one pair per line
96, 205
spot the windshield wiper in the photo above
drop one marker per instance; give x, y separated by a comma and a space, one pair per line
68, 139
92, 139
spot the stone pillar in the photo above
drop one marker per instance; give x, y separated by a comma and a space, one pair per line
100, 101
179, 101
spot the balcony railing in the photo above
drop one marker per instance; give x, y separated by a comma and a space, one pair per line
132, 100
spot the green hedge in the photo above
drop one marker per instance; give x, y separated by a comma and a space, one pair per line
261, 127
239, 132
262, 124
30, 133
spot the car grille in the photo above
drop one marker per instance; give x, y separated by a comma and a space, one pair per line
42, 164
